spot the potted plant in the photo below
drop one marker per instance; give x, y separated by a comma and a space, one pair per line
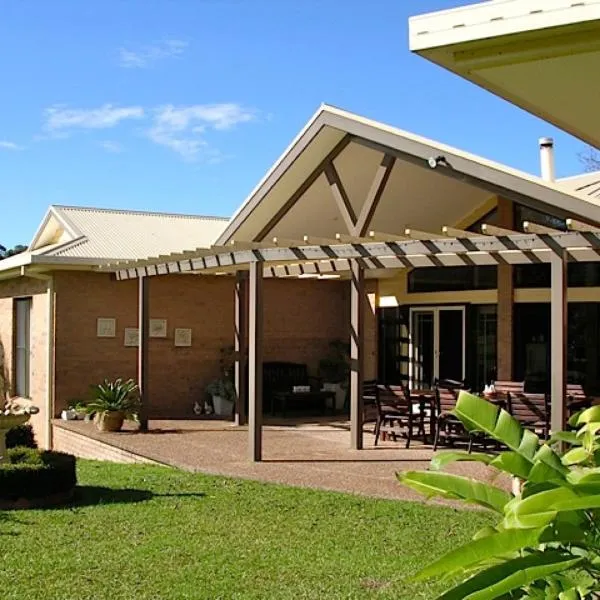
114, 401
78, 408
222, 389
334, 371
222, 392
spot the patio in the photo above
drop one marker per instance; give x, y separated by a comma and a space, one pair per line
307, 453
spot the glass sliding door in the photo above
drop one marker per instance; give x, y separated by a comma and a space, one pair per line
437, 345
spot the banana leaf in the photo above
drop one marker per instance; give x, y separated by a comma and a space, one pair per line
511, 575
455, 487
441, 459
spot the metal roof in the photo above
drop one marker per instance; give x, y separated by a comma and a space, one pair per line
103, 234
587, 184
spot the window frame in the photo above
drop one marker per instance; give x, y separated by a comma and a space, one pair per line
25, 351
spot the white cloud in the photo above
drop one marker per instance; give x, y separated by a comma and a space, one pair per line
6, 145
111, 146
145, 56
61, 118
181, 128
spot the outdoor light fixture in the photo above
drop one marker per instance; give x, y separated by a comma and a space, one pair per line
433, 162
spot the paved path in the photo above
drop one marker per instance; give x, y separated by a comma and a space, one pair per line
313, 454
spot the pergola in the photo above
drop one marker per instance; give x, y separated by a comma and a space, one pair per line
353, 257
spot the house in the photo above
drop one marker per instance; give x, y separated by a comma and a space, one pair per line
380, 209
358, 227
63, 324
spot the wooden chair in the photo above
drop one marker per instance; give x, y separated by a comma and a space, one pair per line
509, 387
448, 428
577, 399
369, 401
532, 411
394, 412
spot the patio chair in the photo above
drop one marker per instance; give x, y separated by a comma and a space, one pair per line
369, 401
394, 412
448, 428
577, 399
532, 411
509, 387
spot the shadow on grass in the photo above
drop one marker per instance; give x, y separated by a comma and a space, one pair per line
91, 495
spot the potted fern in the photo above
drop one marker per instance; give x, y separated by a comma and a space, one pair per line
114, 401
222, 389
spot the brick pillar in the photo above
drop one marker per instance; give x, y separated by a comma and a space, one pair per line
505, 300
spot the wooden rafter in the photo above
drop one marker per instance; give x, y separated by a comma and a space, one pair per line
374, 195
488, 229
575, 225
458, 233
340, 196
530, 227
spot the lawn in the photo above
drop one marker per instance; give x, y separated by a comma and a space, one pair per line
144, 532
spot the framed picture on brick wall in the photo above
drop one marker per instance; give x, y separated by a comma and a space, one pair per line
132, 336
106, 327
158, 328
183, 337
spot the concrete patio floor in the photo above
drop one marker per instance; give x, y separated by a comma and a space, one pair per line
309, 453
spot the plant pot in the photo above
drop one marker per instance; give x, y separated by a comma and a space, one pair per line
340, 394
110, 420
222, 406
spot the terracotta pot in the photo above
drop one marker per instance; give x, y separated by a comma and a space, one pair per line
110, 420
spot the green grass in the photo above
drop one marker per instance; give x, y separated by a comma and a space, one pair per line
145, 532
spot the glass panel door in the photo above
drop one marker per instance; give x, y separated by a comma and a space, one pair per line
451, 364
422, 348
437, 345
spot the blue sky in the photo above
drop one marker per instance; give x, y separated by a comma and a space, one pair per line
182, 106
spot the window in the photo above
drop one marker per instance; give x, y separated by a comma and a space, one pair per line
452, 279
22, 337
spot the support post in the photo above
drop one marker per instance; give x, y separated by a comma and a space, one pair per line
357, 343
143, 355
255, 361
506, 307
241, 346
558, 342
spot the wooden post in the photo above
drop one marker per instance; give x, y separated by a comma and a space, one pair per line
241, 346
144, 334
255, 361
558, 342
357, 343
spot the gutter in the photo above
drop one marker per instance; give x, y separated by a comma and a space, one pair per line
49, 394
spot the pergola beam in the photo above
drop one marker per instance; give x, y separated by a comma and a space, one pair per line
494, 230
515, 249
575, 225
530, 227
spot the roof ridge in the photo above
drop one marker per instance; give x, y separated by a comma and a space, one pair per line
138, 212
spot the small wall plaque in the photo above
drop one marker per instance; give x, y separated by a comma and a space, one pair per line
106, 327
183, 337
132, 336
158, 328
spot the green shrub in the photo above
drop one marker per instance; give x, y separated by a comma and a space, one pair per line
33, 474
22, 435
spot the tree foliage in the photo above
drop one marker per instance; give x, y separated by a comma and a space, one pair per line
546, 544
7, 252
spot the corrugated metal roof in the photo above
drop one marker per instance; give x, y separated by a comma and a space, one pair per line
587, 184
123, 234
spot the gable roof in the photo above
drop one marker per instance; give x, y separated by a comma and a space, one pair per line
75, 235
327, 129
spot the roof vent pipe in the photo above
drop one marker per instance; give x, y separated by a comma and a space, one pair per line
547, 158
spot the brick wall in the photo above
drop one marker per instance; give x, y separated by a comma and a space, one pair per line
87, 447
24, 287
301, 318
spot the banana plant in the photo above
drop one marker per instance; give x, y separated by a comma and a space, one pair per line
546, 544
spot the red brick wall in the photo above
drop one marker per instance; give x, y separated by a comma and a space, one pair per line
301, 318
36, 289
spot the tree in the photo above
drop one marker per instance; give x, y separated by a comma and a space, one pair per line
6, 253
590, 159
546, 544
